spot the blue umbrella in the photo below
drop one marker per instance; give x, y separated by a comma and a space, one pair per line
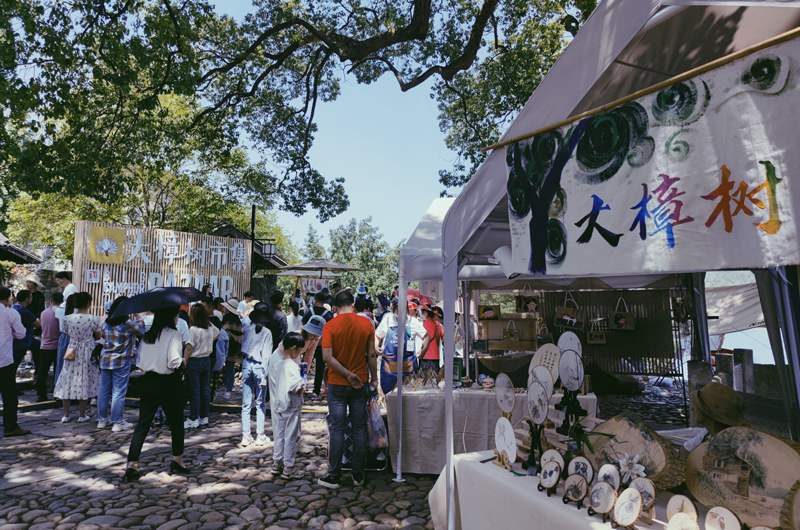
158, 298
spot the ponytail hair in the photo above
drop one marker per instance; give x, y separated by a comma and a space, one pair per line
259, 327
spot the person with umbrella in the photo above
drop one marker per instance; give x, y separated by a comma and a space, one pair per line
256, 349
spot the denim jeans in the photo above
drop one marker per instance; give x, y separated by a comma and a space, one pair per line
113, 386
63, 343
199, 370
251, 388
340, 399
230, 375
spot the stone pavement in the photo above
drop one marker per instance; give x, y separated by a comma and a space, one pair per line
68, 476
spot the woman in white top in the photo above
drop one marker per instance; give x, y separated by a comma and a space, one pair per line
294, 321
199, 346
161, 387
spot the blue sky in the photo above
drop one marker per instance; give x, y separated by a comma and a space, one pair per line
385, 143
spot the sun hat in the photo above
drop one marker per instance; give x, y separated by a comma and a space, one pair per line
315, 325
258, 316
720, 403
438, 311
232, 305
33, 278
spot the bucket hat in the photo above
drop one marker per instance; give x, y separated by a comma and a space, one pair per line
315, 325
232, 305
720, 403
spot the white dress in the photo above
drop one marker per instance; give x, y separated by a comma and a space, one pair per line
79, 379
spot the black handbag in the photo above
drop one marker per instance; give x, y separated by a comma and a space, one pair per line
182, 380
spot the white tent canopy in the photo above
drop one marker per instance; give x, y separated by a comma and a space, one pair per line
734, 308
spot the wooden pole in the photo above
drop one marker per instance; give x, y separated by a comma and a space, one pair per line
783, 37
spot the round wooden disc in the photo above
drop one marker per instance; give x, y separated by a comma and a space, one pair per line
548, 356
602, 497
540, 374
549, 475
609, 473
570, 341
552, 455
790, 513
648, 491
581, 466
681, 504
504, 439
628, 507
570, 370
720, 518
576, 487
682, 521
504, 393
538, 403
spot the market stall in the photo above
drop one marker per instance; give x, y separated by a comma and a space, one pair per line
655, 183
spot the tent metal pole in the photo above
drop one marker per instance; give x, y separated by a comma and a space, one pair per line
450, 281
701, 313
790, 340
467, 335
402, 309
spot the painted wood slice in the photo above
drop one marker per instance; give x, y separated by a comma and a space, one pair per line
719, 518
552, 455
681, 504
628, 507
761, 528
548, 356
576, 487
504, 393
581, 466
570, 370
648, 491
602, 497
609, 473
633, 436
538, 403
541, 375
682, 521
549, 475
790, 514
747, 471
504, 439
570, 341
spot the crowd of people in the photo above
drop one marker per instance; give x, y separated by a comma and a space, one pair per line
183, 354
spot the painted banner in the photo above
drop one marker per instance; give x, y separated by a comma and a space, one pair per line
115, 260
314, 285
697, 176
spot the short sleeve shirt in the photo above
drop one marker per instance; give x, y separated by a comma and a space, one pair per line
202, 340
348, 335
436, 332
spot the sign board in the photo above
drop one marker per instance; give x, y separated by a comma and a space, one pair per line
696, 176
115, 260
313, 285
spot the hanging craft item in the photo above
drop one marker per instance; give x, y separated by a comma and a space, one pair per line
602, 498
570, 341
488, 312
572, 318
504, 394
683, 521
610, 474
505, 443
581, 466
549, 477
511, 332
575, 489
595, 335
747, 471
540, 374
628, 507
624, 320
548, 356
681, 504
719, 518
633, 436
543, 335
526, 301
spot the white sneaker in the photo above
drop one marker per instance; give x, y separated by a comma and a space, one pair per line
226, 395
65, 419
204, 422
102, 424
191, 424
84, 419
246, 440
121, 426
262, 439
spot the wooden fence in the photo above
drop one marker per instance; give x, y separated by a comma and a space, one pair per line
113, 260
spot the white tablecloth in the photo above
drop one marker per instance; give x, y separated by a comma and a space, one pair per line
475, 413
488, 496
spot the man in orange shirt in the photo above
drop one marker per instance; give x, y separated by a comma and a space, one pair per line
348, 348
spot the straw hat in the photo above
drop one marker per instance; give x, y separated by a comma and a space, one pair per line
232, 305
33, 278
720, 403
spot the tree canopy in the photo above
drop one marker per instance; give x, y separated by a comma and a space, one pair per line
88, 86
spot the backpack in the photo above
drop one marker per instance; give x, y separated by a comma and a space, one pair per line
389, 361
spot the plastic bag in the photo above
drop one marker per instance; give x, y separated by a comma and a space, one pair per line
376, 430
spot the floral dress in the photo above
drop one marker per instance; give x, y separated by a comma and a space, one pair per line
79, 379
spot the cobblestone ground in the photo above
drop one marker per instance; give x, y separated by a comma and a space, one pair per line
68, 476
660, 406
